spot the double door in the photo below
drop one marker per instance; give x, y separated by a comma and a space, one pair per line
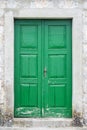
43, 68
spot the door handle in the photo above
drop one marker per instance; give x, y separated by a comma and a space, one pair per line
45, 71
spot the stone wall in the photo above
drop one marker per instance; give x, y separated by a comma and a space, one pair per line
11, 5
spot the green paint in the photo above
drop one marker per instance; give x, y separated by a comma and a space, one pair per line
43, 68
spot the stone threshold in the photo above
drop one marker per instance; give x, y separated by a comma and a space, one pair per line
44, 128
42, 122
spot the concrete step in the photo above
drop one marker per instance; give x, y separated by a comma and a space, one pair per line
42, 122
44, 128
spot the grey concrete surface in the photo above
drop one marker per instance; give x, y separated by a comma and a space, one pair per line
45, 128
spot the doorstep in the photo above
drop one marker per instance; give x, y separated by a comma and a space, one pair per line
44, 128
42, 122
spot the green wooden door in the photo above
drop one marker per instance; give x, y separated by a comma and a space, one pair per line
43, 68
58, 99
27, 68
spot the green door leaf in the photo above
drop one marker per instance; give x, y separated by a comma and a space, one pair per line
43, 68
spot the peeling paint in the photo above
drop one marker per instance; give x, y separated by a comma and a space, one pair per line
27, 112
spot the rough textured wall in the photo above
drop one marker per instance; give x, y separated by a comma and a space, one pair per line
15, 4
40, 4
2, 55
45, 3
84, 67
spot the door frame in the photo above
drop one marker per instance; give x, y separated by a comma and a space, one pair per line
76, 16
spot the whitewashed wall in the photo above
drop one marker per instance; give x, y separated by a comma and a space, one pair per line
6, 5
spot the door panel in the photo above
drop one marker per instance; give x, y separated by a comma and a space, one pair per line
59, 63
58, 101
57, 93
27, 63
29, 36
43, 68
56, 36
28, 68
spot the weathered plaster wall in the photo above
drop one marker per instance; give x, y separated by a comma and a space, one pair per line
10, 5
85, 61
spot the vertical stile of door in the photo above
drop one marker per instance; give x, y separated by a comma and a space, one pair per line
46, 64
69, 67
40, 67
16, 88
43, 65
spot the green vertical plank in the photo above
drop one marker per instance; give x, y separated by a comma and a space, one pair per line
17, 97
60, 96
69, 60
33, 97
33, 65
46, 65
16, 66
44, 91
24, 95
51, 96
24, 66
39, 68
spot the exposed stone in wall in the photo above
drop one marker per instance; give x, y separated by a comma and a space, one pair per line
6, 119
77, 119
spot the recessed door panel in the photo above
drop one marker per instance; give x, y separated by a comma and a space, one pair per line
28, 66
29, 36
56, 36
57, 66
